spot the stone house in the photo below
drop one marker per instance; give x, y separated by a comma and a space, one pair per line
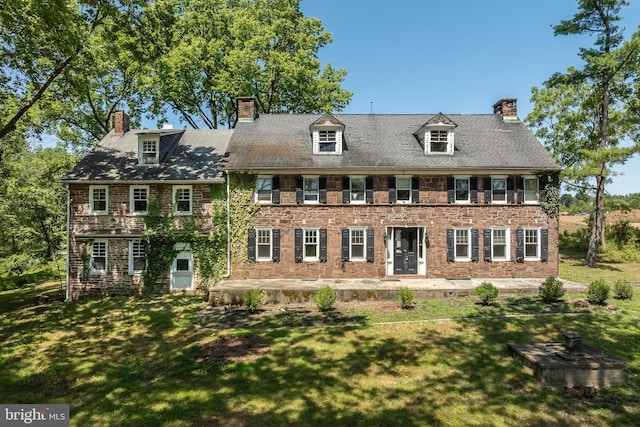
380, 195
111, 189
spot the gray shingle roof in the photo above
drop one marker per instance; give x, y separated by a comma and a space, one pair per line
387, 141
185, 155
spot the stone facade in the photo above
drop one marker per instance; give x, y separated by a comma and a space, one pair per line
433, 214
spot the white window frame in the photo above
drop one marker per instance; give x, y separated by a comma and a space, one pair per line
316, 231
524, 189
175, 199
143, 144
134, 253
265, 179
94, 270
450, 140
538, 243
269, 233
132, 199
327, 135
352, 193
467, 231
362, 230
92, 199
407, 187
507, 244
461, 178
493, 196
315, 193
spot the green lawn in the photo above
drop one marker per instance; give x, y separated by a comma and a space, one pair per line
127, 361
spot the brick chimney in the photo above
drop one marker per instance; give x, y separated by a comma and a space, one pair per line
507, 108
121, 122
247, 108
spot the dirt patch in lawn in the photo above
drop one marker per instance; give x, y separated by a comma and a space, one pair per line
232, 349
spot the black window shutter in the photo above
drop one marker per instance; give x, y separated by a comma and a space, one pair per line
299, 193
510, 190
475, 245
345, 244
323, 245
473, 184
275, 236
519, 244
487, 245
275, 190
251, 245
392, 189
487, 190
450, 243
346, 191
520, 189
369, 189
544, 244
322, 193
370, 244
451, 193
542, 196
415, 189
298, 244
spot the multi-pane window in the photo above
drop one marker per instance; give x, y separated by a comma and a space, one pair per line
137, 256
139, 199
99, 256
530, 190
499, 244
263, 244
149, 151
462, 244
98, 199
182, 199
264, 186
462, 189
438, 141
327, 140
311, 244
403, 189
531, 243
499, 190
358, 186
310, 189
357, 243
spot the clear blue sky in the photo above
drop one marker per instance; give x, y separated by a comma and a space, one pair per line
454, 56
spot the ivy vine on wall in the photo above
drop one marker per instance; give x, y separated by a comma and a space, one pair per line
241, 211
551, 203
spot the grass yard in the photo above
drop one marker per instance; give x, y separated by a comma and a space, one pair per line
146, 362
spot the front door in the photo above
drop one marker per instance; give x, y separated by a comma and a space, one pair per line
405, 244
182, 271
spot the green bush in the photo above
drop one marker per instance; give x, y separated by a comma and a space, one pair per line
598, 292
253, 300
325, 298
487, 293
622, 290
551, 290
405, 298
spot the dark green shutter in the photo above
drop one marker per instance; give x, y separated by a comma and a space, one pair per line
544, 245
473, 194
450, 244
415, 189
275, 244
345, 244
451, 192
299, 192
370, 244
392, 190
298, 244
369, 189
251, 245
487, 245
322, 193
275, 190
519, 245
475, 245
346, 191
487, 190
520, 189
510, 190
323, 245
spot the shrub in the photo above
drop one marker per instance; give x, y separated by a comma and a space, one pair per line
622, 290
551, 290
325, 298
487, 293
253, 300
598, 292
405, 298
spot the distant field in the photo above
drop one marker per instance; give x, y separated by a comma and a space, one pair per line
573, 222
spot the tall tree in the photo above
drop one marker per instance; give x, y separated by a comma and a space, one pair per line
589, 116
223, 49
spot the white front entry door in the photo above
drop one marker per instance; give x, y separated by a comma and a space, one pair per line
182, 269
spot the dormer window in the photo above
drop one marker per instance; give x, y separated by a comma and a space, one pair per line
327, 134
148, 151
437, 135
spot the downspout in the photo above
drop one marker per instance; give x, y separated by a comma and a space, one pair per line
68, 242
228, 274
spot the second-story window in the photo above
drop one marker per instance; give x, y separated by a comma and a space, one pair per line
499, 190
311, 189
98, 199
530, 189
403, 189
358, 187
264, 187
462, 190
182, 199
139, 196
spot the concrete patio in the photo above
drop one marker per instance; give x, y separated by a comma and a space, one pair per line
287, 291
